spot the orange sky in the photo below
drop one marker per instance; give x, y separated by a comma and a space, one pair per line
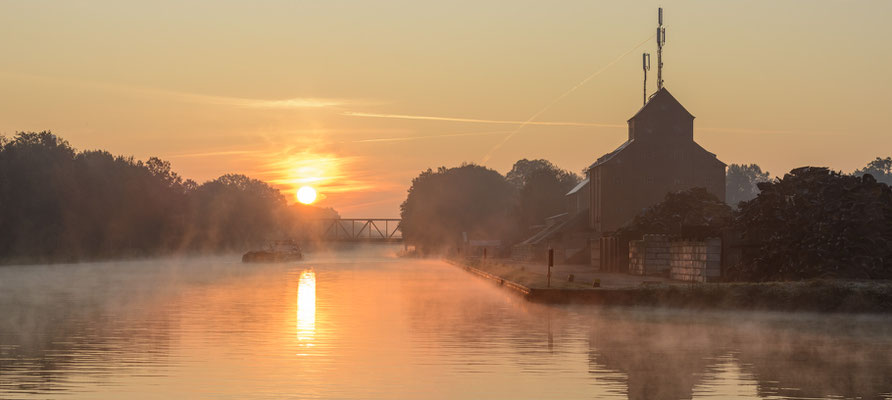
356, 98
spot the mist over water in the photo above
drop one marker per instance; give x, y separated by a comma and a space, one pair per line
357, 322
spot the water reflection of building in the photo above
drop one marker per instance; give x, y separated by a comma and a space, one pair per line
306, 306
657, 360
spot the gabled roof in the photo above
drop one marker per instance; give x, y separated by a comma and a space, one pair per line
603, 159
578, 187
710, 153
661, 97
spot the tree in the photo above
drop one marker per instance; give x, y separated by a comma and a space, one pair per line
235, 211
57, 204
689, 214
881, 169
542, 188
741, 182
443, 204
817, 223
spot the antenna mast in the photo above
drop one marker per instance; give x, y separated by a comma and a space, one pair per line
645, 64
661, 40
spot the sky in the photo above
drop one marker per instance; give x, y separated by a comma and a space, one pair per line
355, 98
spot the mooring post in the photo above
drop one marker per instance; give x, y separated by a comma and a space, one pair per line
484, 254
550, 264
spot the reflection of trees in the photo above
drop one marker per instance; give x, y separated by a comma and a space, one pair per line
94, 322
664, 355
53, 324
658, 354
474, 314
819, 365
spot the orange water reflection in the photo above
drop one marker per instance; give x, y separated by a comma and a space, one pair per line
306, 307
384, 328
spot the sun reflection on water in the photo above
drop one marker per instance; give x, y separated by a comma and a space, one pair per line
306, 307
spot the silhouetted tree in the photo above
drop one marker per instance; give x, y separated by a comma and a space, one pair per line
36, 171
741, 182
881, 169
689, 214
817, 223
444, 203
542, 187
57, 204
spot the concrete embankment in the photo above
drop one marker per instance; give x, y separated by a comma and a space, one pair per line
529, 281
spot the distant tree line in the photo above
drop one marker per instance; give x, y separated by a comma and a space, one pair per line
742, 180
59, 204
446, 205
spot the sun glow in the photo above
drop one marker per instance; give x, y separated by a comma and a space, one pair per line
306, 195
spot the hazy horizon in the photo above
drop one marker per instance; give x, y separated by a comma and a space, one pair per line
356, 98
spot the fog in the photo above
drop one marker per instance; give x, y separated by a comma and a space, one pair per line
385, 327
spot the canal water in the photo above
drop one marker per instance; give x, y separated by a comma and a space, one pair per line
360, 323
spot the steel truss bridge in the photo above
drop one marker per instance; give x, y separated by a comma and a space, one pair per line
360, 229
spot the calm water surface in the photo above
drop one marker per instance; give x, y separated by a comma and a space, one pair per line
361, 324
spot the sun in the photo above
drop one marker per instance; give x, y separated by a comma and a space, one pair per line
306, 195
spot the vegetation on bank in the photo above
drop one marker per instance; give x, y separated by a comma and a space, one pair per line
817, 223
60, 204
481, 203
811, 223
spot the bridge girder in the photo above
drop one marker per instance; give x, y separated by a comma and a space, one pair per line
369, 229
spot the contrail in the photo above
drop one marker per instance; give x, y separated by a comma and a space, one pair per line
474, 120
405, 138
559, 98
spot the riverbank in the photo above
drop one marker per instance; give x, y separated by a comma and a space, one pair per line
529, 281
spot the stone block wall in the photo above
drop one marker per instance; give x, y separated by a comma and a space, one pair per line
650, 255
696, 261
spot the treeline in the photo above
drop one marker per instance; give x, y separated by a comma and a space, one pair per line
810, 223
481, 203
742, 180
60, 204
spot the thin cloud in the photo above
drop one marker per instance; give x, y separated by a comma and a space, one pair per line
293, 103
213, 154
478, 121
289, 103
448, 135
769, 131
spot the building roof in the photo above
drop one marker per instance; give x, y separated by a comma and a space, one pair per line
573, 222
603, 159
661, 97
578, 187
710, 153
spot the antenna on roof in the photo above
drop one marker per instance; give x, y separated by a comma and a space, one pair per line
661, 40
645, 64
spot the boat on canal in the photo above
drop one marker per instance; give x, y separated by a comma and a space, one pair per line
275, 251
